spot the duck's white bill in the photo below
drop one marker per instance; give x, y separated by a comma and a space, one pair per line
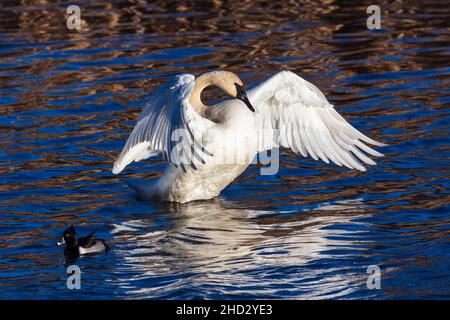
60, 243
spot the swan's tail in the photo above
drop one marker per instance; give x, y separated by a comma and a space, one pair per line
145, 189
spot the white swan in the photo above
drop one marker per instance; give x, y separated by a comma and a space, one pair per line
208, 147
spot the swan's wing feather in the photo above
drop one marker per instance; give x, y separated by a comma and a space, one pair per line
293, 113
168, 116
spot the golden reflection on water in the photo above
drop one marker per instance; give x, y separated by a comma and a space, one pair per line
268, 35
74, 97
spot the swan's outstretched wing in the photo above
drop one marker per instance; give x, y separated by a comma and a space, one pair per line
169, 125
293, 113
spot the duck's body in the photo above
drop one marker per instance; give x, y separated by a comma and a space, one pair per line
222, 140
78, 246
87, 246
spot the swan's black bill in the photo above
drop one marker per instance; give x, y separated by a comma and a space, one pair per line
241, 95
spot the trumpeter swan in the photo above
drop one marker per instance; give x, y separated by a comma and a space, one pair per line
207, 147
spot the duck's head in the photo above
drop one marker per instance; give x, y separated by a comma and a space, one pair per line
69, 237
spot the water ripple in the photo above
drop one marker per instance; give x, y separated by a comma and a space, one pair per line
69, 99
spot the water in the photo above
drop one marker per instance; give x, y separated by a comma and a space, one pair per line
69, 99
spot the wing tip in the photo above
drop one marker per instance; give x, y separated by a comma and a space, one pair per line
379, 144
117, 168
373, 142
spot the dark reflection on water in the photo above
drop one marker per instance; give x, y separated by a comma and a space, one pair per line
68, 100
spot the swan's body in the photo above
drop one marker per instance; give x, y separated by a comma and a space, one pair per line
219, 142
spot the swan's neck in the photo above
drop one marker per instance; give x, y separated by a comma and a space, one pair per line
200, 84
224, 80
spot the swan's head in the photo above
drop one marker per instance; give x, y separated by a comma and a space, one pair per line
230, 84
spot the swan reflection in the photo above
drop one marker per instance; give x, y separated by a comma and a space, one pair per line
215, 241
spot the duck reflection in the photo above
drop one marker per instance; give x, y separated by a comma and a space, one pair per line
216, 241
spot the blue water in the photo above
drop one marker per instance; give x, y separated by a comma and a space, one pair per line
69, 99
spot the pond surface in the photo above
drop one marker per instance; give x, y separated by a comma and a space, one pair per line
69, 99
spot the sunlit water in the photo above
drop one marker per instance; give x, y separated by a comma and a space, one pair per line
69, 99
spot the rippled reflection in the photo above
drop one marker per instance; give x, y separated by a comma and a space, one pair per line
69, 99
220, 243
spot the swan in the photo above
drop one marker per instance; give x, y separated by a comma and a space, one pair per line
207, 147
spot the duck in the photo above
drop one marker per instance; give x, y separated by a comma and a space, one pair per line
78, 246
207, 147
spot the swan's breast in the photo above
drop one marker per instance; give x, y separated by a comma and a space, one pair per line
233, 148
